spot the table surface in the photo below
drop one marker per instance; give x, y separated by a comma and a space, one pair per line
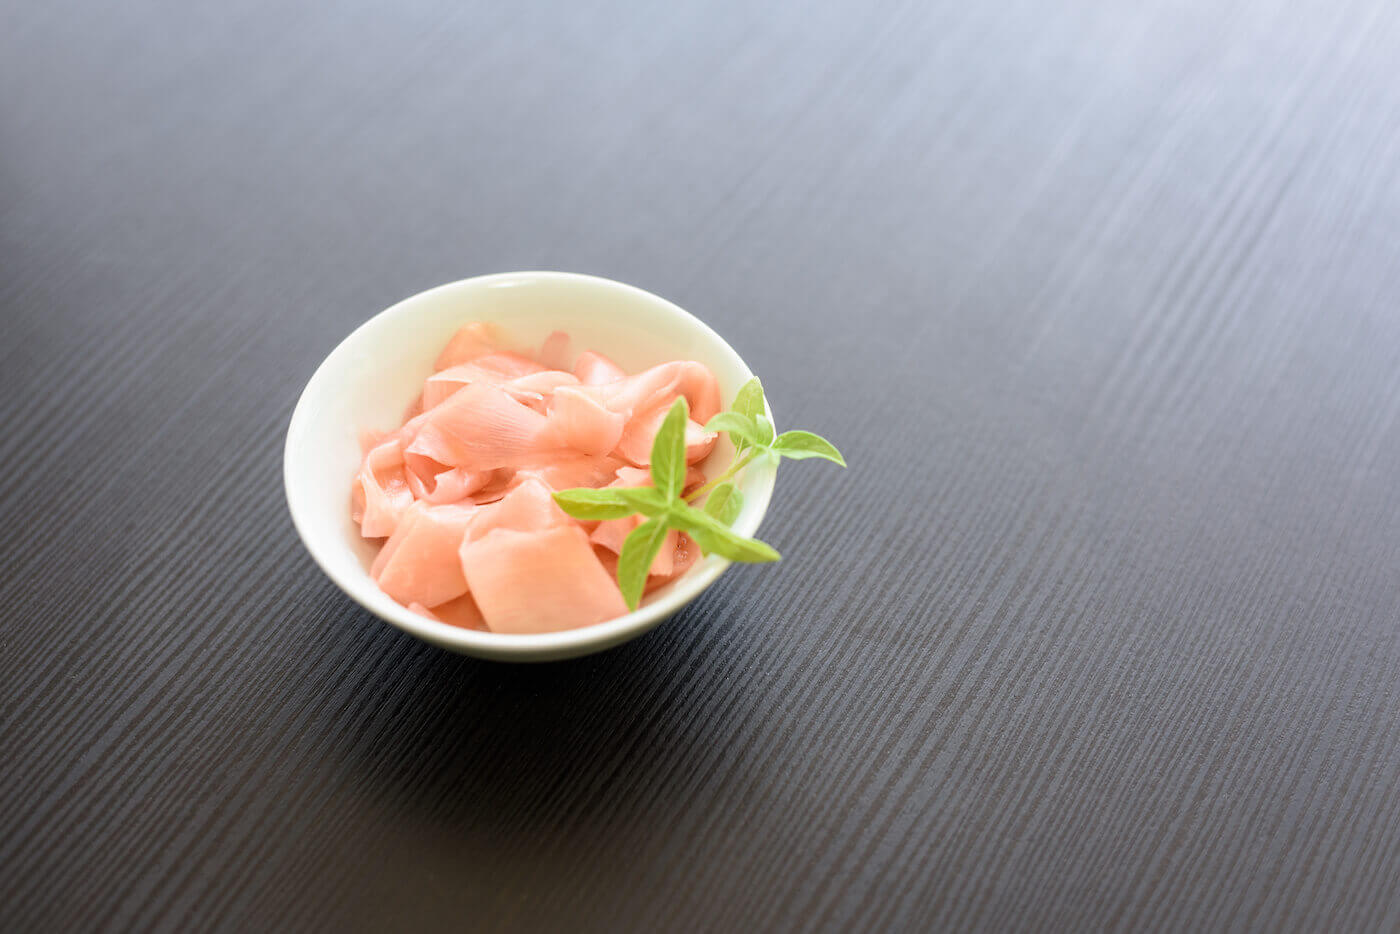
1100, 630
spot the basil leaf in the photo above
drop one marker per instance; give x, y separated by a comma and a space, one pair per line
724, 503
584, 503
742, 429
748, 401
644, 499
716, 538
800, 444
765, 430
668, 451
639, 550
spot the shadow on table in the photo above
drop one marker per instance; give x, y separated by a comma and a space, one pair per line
520, 749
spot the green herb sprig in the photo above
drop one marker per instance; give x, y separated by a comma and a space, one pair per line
664, 506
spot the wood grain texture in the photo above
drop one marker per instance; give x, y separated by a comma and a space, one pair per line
1101, 631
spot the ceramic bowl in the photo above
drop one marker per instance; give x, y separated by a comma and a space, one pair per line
371, 377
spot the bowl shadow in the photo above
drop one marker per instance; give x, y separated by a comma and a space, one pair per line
525, 749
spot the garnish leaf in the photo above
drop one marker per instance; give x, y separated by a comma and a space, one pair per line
668, 451
644, 499
748, 401
752, 432
716, 538
801, 444
584, 503
639, 550
724, 503
765, 430
742, 428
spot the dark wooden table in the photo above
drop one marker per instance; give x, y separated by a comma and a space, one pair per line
1100, 631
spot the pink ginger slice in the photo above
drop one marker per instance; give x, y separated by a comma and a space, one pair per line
529, 506
502, 482
568, 471
683, 558
433, 481
526, 385
419, 563
554, 352
537, 389
700, 389
481, 427
371, 439
582, 422
611, 533
594, 369
694, 480
450, 486
444, 383
462, 612
507, 365
474, 340
658, 387
540, 581
543, 383
632, 476
635, 444
380, 494
426, 450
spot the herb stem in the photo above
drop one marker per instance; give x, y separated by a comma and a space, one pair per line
734, 468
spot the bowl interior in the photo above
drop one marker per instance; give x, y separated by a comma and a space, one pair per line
371, 377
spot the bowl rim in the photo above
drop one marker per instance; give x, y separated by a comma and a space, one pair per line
514, 646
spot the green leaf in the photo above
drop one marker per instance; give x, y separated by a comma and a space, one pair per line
668, 451
800, 444
644, 499
587, 504
639, 550
765, 430
742, 428
716, 538
748, 401
724, 503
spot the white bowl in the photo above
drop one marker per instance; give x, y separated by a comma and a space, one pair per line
368, 381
